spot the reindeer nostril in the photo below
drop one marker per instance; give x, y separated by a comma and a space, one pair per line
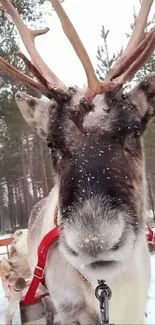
21, 96
18, 96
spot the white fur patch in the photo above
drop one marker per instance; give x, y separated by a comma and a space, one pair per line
99, 111
38, 115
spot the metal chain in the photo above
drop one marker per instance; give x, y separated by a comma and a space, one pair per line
103, 294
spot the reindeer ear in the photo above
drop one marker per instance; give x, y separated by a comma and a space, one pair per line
143, 96
35, 111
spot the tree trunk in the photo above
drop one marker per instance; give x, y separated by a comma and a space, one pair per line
46, 191
11, 211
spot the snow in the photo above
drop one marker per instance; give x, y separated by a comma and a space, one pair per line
3, 308
3, 305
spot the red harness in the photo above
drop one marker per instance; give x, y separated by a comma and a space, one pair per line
151, 236
38, 276
47, 242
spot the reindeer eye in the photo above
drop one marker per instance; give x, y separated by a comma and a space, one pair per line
137, 129
31, 103
49, 143
70, 250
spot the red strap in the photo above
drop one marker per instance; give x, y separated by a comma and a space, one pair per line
151, 236
46, 242
36, 298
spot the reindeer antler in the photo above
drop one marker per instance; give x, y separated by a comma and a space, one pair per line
19, 75
28, 37
123, 63
135, 39
74, 39
134, 56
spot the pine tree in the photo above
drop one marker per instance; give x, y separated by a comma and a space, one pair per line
105, 60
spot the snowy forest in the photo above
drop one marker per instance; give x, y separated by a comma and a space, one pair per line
25, 166
25, 162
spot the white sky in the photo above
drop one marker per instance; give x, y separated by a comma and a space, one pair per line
87, 16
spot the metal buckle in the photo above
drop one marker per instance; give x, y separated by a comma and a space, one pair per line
103, 294
40, 269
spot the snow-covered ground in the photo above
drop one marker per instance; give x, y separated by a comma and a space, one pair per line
3, 307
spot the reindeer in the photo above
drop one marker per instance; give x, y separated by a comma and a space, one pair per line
100, 191
17, 264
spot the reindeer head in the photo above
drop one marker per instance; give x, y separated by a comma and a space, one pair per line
95, 140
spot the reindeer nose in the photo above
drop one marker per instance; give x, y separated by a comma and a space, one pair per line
21, 96
18, 95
